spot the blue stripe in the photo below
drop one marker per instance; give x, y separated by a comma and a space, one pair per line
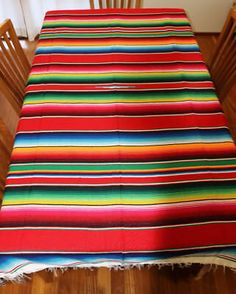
122, 138
118, 49
13, 260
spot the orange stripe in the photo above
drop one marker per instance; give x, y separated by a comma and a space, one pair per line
128, 150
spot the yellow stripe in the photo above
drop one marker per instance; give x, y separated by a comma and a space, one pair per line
122, 74
118, 100
101, 201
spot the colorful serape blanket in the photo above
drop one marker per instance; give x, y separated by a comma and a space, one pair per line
122, 155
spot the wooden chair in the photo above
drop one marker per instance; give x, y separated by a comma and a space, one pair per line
14, 70
116, 4
222, 63
14, 66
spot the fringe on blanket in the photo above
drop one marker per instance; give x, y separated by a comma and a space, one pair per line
23, 274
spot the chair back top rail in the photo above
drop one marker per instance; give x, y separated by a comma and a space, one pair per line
116, 4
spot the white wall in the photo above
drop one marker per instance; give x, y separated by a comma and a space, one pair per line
205, 15
12, 9
34, 11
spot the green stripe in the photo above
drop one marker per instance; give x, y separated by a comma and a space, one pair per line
118, 77
115, 23
119, 194
122, 166
117, 97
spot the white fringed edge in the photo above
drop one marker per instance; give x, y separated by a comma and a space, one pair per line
21, 275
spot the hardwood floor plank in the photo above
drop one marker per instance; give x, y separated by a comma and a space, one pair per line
16, 288
104, 280
129, 280
117, 282
44, 283
133, 281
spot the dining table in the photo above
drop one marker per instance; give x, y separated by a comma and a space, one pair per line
122, 155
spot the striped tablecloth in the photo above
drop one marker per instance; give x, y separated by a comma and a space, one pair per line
122, 155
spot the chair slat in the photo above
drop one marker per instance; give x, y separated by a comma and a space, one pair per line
228, 72
14, 66
91, 4
18, 47
13, 52
11, 65
9, 76
138, 4
226, 62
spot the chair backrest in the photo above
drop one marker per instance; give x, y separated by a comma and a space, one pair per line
14, 70
116, 4
14, 65
222, 63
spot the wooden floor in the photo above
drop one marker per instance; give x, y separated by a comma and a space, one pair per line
134, 281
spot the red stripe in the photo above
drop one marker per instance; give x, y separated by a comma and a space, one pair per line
103, 68
117, 57
122, 16
118, 108
133, 86
118, 179
117, 240
168, 28
129, 12
126, 215
122, 123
